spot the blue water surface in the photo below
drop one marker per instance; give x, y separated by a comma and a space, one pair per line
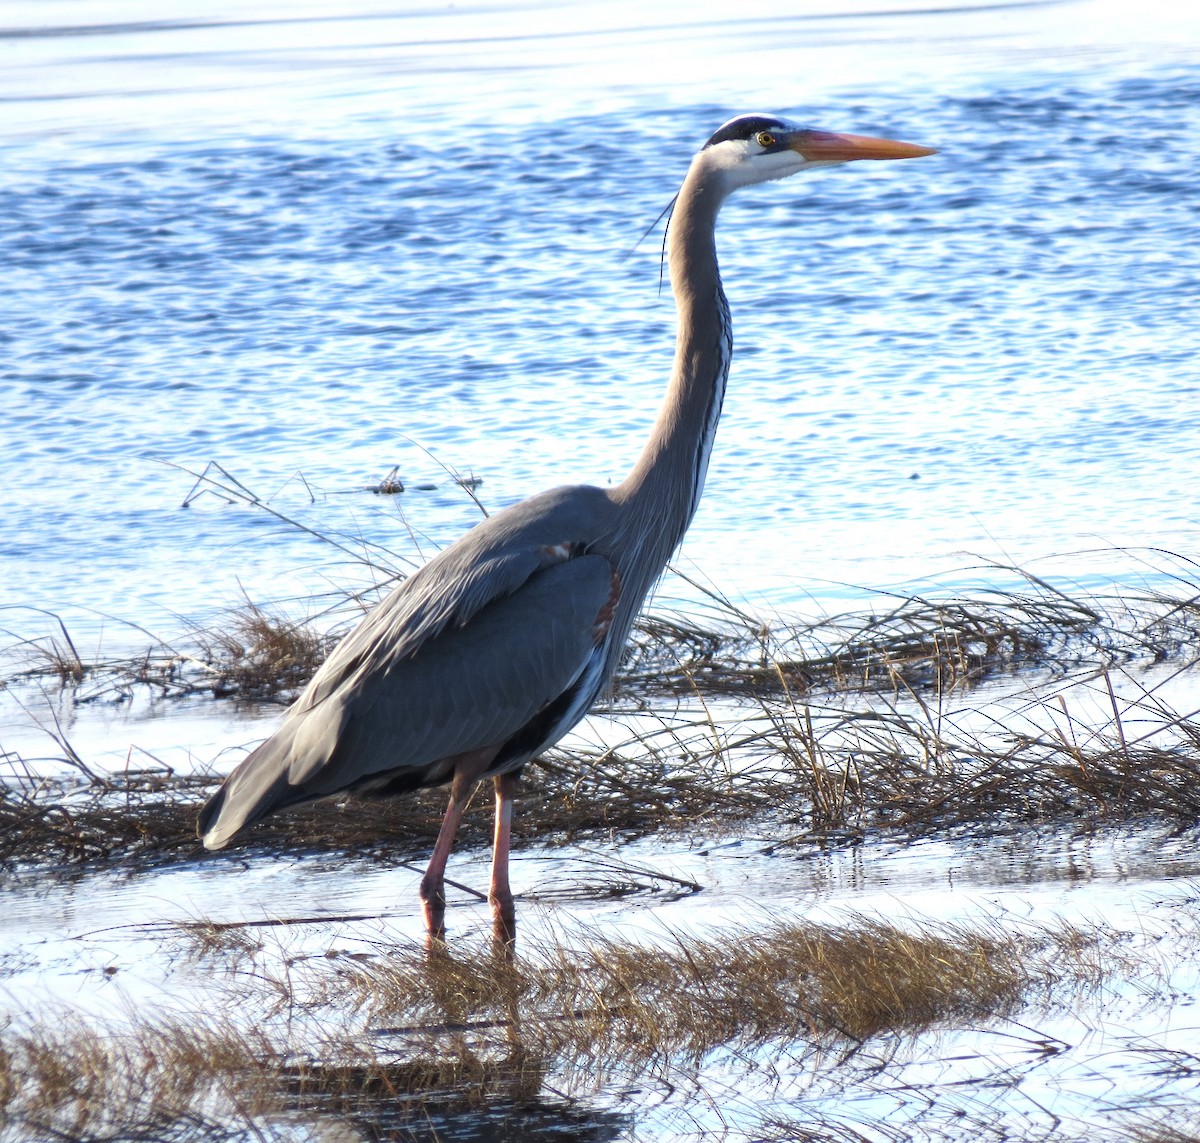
314, 248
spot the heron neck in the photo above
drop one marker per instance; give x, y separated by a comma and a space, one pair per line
665, 485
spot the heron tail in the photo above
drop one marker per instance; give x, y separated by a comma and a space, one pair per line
261, 784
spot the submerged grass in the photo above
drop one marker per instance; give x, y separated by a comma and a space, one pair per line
465, 1027
611, 999
71, 1080
204, 1079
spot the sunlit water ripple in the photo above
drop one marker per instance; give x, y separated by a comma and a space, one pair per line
986, 354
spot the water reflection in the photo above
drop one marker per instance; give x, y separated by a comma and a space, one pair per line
111, 946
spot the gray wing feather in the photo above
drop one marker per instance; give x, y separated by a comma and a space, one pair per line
449, 590
478, 684
469, 684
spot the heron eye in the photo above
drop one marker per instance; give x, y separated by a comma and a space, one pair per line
766, 139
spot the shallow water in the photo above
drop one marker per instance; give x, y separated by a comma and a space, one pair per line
109, 946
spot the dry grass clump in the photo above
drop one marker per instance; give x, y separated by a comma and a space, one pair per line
54, 655
255, 653
72, 824
261, 654
75, 825
921, 644
211, 940
987, 1127
608, 999
1165, 1133
67, 1080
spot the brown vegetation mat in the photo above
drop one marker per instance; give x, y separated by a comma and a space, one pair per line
805, 774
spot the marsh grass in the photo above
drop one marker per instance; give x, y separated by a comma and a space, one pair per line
252, 652
67, 823
71, 1080
783, 1130
612, 999
806, 773
477, 1028
260, 653
1166, 1133
78, 826
204, 1079
919, 766
395, 1037
935, 641
831, 729
929, 644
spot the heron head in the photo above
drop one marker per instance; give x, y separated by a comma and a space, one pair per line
757, 148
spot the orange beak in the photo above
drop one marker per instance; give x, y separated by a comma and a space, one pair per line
826, 147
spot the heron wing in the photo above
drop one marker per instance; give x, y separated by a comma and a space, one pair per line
469, 685
475, 684
447, 592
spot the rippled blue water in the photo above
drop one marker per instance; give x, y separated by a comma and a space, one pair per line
322, 246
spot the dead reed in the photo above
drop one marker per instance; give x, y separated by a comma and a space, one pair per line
679, 999
922, 643
802, 772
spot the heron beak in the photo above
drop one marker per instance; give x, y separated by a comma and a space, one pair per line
826, 147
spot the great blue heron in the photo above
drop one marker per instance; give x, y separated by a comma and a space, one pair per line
498, 646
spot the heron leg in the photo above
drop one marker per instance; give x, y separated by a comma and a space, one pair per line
504, 913
467, 770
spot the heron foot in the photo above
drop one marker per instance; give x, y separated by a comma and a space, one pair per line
433, 901
504, 923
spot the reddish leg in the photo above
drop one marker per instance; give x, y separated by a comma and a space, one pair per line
433, 888
504, 913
